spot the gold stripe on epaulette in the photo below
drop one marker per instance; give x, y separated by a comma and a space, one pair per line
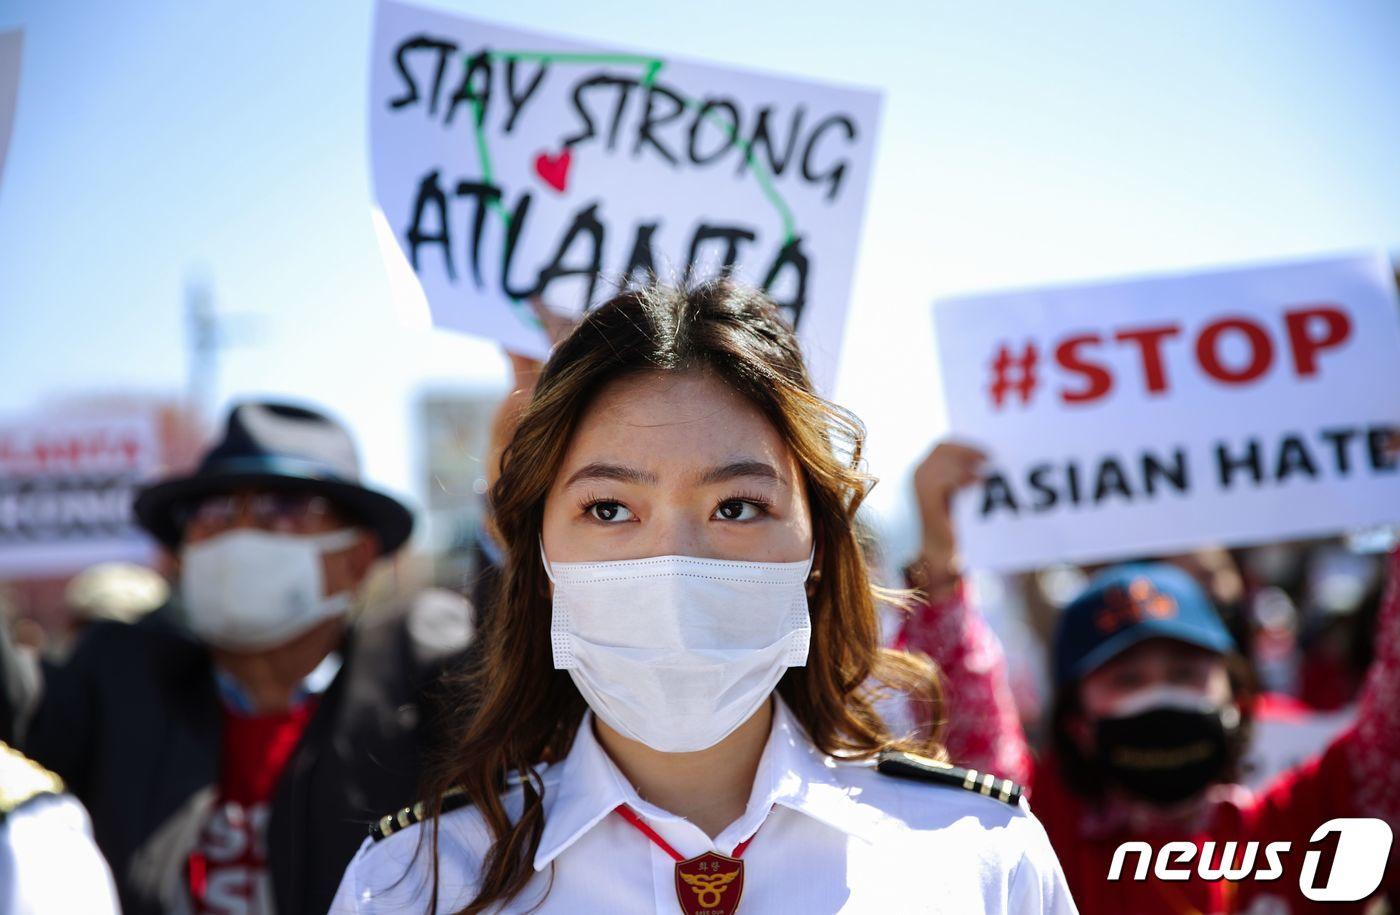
22, 779
386, 826
927, 760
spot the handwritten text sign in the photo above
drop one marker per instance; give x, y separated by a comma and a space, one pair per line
512, 164
1145, 417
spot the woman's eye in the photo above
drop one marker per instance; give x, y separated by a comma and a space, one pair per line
738, 510
610, 512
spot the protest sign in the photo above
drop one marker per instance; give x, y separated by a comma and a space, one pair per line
66, 489
512, 164
11, 44
1143, 417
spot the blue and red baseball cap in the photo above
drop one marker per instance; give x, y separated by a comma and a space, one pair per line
1129, 604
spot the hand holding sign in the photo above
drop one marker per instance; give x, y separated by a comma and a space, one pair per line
949, 468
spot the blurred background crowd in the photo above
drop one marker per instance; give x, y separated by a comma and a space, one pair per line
184, 236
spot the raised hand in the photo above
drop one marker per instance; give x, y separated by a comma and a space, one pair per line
948, 468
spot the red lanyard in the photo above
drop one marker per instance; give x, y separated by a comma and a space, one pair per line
630, 816
710, 883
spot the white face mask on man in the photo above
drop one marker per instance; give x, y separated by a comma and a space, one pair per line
673, 651
248, 590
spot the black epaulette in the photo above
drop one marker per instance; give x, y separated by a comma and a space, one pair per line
911, 765
391, 823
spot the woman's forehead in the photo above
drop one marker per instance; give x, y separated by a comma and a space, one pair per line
672, 422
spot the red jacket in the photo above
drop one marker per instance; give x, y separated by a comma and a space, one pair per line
1358, 775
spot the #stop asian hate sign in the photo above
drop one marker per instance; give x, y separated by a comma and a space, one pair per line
513, 165
1157, 415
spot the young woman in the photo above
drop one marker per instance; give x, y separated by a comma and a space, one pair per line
1151, 719
675, 711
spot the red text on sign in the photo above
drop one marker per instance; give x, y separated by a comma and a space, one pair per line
1232, 351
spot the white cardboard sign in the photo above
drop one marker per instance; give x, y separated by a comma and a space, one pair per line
1150, 416
511, 164
66, 488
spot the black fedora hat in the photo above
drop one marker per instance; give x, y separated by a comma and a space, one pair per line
279, 446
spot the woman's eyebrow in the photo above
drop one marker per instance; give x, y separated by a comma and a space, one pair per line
755, 469
618, 473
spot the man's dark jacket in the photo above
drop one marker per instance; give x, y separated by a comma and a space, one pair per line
132, 722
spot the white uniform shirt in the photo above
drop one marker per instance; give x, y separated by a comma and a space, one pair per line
49, 864
828, 836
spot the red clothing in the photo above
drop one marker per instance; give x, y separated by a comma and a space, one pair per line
1295, 804
228, 870
1358, 775
983, 731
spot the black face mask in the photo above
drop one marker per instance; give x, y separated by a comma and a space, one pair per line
1165, 755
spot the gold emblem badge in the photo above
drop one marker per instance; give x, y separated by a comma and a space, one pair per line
709, 884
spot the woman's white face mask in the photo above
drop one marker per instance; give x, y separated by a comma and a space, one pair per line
676, 652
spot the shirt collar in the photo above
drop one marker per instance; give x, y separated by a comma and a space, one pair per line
791, 772
589, 786
801, 777
236, 698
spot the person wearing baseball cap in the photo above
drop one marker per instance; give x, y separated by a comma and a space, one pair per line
1148, 704
1151, 717
236, 743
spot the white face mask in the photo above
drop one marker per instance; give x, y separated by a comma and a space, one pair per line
1174, 698
676, 652
249, 589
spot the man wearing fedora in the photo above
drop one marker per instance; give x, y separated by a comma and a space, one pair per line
233, 746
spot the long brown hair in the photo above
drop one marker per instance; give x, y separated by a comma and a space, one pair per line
515, 709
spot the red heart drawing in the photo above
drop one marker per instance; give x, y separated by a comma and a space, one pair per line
554, 170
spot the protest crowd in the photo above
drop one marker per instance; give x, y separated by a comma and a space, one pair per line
678, 665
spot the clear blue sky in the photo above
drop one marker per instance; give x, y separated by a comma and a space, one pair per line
1022, 143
